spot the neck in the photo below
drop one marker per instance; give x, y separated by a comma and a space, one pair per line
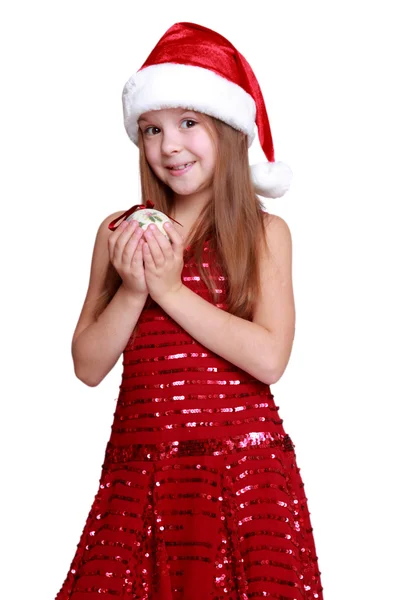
189, 207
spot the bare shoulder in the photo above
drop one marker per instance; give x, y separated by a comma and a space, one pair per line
100, 257
277, 229
278, 238
100, 250
275, 307
277, 263
105, 223
98, 271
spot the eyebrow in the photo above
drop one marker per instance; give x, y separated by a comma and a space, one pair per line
183, 111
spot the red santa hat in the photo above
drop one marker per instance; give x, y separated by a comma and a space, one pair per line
196, 68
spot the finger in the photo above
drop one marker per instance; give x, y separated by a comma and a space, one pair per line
137, 257
131, 243
154, 246
142, 243
119, 238
114, 236
163, 241
174, 235
147, 257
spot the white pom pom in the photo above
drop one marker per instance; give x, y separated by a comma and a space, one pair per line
271, 179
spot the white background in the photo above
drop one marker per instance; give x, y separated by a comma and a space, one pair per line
329, 74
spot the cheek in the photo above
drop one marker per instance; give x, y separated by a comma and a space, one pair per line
150, 152
207, 149
210, 156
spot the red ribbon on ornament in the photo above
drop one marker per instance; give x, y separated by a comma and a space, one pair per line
149, 204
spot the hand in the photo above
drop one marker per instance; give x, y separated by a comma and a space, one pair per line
163, 261
125, 246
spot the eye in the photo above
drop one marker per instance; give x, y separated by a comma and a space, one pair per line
151, 130
190, 123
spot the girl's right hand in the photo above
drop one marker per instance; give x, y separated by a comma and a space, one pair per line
126, 255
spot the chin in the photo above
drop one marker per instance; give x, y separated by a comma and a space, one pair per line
185, 191
189, 188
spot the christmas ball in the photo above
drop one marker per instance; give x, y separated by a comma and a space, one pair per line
146, 216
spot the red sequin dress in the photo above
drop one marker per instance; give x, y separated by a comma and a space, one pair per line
200, 495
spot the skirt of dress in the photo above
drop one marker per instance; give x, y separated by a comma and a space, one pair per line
219, 519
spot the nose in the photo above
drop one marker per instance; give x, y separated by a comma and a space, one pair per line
170, 143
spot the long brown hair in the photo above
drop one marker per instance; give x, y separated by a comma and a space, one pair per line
232, 221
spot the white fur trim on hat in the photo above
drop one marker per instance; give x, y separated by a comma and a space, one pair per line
170, 85
271, 179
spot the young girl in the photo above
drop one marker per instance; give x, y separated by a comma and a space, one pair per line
200, 494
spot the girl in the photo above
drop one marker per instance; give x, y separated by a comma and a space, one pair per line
200, 495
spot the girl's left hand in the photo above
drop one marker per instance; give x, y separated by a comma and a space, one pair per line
163, 261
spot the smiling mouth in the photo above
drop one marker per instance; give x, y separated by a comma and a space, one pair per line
181, 167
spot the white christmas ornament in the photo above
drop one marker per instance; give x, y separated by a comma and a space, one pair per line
147, 216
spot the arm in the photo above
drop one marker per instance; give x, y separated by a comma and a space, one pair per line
98, 343
243, 343
261, 347
98, 347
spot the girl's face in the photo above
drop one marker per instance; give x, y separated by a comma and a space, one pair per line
179, 149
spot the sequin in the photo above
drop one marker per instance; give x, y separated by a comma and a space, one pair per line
200, 495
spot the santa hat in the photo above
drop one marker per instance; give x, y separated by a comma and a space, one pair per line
196, 68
